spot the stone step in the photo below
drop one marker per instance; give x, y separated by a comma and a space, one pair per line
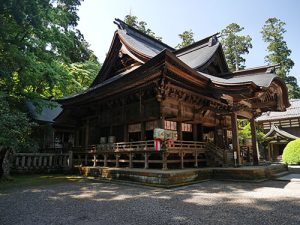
281, 174
294, 169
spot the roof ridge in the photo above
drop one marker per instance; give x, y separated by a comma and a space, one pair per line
124, 26
200, 42
255, 68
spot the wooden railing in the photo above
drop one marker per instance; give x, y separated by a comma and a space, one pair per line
140, 152
142, 146
186, 145
42, 162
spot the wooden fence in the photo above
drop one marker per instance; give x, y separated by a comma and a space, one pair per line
42, 162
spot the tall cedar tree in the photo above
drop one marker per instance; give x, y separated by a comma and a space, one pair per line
278, 53
140, 25
187, 38
235, 46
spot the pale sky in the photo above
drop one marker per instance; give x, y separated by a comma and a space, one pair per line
168, 18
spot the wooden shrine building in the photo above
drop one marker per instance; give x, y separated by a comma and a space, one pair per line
280, 128
145, 84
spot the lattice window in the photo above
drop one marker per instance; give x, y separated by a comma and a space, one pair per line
170, 125
186, 127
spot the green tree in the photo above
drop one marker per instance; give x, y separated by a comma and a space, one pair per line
187, 38
39, 46
279, 53
15, 127
235, 45
140, 25
245, 131
82, 74
37, 39
272, 33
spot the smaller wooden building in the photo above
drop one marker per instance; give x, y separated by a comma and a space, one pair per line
280, 128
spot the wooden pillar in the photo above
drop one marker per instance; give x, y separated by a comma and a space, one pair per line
143, 131
269, 152
130, 159
105, 160
225, 138
200, 132
87, 133
272, 151
179, 131
146, 157
70, 161
125, 132
196, 159
165, 160
235, 137
162, 122
117, 160
195, 132
95, 160
254, 140
182, 160
77, 137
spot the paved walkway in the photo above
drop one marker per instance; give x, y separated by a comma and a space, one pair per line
293, 177
213, 202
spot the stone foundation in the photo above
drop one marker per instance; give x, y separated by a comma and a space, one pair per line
185, 176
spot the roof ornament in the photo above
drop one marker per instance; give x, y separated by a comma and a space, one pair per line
212, 41
121, 24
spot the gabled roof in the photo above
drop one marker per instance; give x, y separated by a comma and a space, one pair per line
141, 47
199, 53
291, 112
48, 112
140, 58
275, 132
140, 41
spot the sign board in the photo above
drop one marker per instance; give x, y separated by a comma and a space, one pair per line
163, 134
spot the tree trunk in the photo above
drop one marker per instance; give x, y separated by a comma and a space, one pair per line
6, 155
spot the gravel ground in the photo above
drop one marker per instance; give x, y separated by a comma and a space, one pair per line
213, 202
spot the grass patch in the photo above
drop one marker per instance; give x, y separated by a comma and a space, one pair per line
27, 181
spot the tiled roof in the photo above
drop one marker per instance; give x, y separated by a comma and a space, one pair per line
291, 112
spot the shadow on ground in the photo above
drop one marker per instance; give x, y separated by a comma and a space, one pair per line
213, 202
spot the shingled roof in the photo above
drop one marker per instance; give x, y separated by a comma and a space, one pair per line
275, 132
46, 114
291, 112
203, 61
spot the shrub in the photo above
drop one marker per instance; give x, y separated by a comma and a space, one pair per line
291, 153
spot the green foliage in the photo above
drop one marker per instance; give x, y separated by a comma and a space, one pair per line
272, 33
42, 54
15, 128
37, 39
291, 153
187, 38
245, 131
235, 46
82, 75
140, 25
